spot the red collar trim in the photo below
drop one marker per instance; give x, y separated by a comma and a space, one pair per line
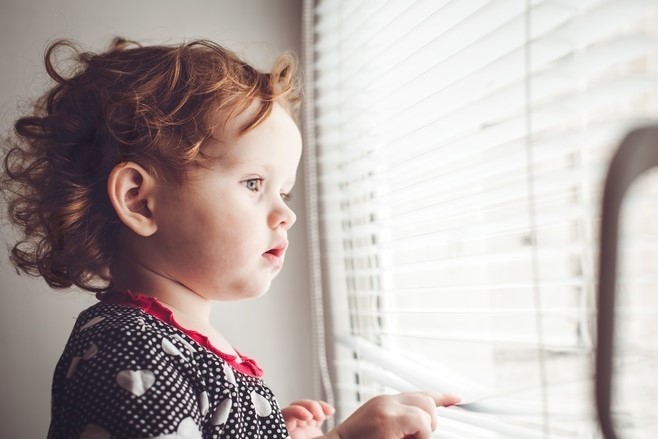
152, 306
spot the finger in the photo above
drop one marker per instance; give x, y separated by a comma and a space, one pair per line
424, 401
433, 417
291, 424
314, 407
440, 399
428, 401
328, 409
416, 423
318, 411
446, 400
296, 412
429, 424
443, 399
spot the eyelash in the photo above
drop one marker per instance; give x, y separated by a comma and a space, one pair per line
285, 196
259, 182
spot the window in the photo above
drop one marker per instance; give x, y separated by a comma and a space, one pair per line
458, 150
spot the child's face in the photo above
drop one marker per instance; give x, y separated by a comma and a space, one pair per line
224, 232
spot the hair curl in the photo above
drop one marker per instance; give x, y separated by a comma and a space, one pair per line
154, 105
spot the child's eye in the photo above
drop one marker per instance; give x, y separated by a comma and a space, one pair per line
253, 184
286, 196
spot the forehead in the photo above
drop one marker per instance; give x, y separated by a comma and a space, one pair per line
276, 141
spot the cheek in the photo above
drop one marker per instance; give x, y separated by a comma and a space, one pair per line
222, 231
226, 243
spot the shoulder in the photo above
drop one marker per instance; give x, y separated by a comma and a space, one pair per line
126, 336
104, 316
127, 372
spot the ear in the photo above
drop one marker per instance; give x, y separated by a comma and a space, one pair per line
132, 193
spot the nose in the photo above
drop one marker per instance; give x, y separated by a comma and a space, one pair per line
282, 216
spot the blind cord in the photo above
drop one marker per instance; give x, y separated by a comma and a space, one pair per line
321, 376
532, 221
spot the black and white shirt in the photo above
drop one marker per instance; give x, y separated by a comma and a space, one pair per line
130, 371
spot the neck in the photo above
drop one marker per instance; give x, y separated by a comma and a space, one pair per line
188, 307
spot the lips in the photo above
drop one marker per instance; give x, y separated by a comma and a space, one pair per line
276, 253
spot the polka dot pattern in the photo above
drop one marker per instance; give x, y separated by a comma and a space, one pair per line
127, 374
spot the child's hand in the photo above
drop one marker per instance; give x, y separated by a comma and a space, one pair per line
406, 415
304, 418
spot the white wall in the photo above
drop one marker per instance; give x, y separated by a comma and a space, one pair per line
34, 320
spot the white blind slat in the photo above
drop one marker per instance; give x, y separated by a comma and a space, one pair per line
461, 148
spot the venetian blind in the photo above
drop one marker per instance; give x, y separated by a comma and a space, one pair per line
460, 148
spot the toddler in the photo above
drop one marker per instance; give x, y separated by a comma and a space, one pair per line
157, 177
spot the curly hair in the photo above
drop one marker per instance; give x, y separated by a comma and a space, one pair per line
153, 105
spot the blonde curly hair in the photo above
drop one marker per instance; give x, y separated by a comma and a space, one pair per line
153, 105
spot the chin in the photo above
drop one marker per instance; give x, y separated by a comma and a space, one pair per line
247, 292
261, 292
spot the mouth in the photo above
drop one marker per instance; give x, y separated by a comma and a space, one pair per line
276, 253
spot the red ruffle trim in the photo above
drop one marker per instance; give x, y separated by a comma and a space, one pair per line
152, 306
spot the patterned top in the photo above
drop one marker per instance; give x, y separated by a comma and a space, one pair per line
130, 371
